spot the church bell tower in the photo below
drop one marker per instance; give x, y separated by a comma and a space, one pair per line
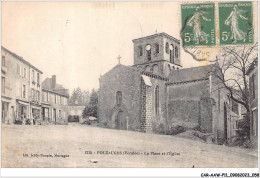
158, 54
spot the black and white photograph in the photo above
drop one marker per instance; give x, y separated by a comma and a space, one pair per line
129, 85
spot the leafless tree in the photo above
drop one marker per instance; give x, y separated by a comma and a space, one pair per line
233, 63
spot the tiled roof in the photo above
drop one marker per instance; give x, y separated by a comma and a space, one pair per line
47, 85
190, 74
59, 89
55, 92
158, 34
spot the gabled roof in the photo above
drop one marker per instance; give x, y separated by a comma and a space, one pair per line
21, 59
190, 74
121, 68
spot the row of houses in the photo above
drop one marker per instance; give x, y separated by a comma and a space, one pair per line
25, 98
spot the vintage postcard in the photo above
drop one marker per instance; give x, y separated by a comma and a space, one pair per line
236, 23
192, 33
130, 85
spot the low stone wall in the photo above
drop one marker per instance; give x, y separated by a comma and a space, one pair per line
191, 111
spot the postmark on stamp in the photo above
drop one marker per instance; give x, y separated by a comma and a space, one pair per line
198, 24
235, 23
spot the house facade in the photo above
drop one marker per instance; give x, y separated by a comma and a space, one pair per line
54, 102
25, 99
156, 92
252, 73
19, 103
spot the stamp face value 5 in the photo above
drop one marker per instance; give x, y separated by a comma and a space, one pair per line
235, 23
198, 24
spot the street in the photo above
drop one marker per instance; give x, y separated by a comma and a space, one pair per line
82, 146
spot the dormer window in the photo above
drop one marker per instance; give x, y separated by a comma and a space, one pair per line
140, 50
157, 49
167, 48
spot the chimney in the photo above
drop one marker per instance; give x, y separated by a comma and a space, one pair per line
53, 81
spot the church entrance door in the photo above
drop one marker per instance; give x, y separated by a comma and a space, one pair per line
121, 121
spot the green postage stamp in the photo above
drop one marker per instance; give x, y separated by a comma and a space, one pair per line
198, 24
235, 23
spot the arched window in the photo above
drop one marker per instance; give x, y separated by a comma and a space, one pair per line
148, 50
171, 53
156, 69
176, 52
147, 69
167, 48
157, 99
157, 48
118, 98
140, 50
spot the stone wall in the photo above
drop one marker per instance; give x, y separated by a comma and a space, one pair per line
146, 108
156, 122
142, 43
190, 102
160, 39
219, 96
205, 115
149, 109
138, 100
186, 110
127, 80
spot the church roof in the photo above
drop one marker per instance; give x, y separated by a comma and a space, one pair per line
190, 74
158, 34
123, 66
119, 68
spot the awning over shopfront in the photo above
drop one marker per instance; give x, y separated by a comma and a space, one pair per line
46, 105
23, 102
5, 99
35, 107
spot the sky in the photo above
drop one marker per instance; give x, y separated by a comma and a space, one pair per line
79, 41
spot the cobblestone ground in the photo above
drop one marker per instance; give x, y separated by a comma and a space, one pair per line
112, 148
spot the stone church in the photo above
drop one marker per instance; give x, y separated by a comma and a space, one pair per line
157, 92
